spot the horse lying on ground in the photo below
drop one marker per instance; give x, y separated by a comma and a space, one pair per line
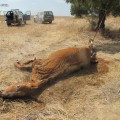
60, 62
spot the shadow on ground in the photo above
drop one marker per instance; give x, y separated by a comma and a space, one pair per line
111, 34
110, 48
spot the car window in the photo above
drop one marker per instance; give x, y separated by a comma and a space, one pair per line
9, 13
20, 13
48, 13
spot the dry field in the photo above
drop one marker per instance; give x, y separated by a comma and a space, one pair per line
89, 94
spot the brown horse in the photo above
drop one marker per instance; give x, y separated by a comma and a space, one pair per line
60, 62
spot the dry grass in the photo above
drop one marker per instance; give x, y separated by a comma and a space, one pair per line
90, 94
2, 18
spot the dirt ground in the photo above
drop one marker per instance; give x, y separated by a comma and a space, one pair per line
89, 94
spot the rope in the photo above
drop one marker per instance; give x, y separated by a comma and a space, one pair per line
98, 27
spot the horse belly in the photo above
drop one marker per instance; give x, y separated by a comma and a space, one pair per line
71, 69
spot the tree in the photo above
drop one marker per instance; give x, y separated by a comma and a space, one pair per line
78, 10
100, 7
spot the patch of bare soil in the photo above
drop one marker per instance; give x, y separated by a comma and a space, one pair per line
92, 93
103, 66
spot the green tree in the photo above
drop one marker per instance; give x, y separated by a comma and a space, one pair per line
78, 10
100, 7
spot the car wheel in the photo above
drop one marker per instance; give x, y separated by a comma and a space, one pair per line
20, 22
40, 21
8, 24
24, 21
50, 22
35, 20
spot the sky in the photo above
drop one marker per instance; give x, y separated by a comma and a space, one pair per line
59, 7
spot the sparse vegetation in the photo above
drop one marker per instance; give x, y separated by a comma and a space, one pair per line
91, 93
100, 8
2, 18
